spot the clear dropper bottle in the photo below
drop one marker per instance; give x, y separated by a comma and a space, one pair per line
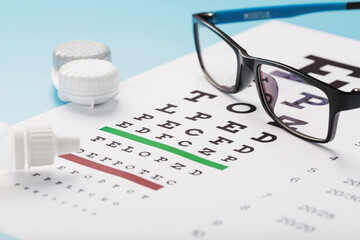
27, 146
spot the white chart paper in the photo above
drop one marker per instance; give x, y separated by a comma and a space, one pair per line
173, 158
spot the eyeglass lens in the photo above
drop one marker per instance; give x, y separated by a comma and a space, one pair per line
218, 58
299, 105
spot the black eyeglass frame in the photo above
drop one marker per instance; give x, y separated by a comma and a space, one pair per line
338, 100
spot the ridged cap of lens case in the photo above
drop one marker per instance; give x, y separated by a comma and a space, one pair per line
88, 81
76, 50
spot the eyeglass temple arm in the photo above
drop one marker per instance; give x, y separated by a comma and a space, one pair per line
351, 100
250, 14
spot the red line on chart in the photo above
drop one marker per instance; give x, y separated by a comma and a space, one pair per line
102, 168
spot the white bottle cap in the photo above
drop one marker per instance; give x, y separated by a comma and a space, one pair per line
75, 50
38, 145
88, 81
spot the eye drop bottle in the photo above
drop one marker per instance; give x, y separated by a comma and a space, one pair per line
25, 147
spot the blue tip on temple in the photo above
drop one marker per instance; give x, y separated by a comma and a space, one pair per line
250, 14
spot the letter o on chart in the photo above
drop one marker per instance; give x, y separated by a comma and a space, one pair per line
241, 108
144, 154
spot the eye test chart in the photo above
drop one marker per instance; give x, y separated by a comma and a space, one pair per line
174, 158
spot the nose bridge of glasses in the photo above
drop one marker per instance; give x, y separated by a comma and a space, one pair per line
270, 89
247, 74
246, 77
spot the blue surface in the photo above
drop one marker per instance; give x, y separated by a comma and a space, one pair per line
6, 237
141, 35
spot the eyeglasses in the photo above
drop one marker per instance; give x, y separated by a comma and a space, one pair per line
231, 69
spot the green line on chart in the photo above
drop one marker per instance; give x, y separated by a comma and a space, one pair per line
163, 147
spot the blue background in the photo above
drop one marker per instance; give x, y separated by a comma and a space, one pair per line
141, 35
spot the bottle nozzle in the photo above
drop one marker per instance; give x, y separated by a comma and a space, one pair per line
66, 144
